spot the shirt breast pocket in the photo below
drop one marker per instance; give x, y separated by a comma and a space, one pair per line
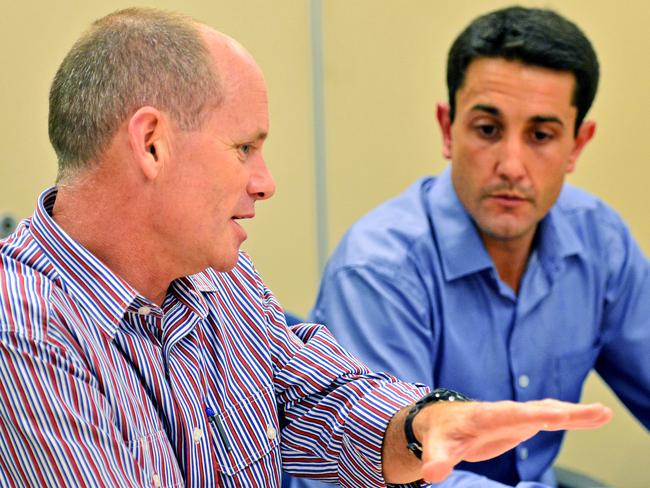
571, 371
156, 457
249, 435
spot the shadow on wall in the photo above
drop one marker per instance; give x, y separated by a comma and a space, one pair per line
7, 225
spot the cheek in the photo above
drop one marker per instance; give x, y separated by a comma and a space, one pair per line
465, 184
552, 189
474, 167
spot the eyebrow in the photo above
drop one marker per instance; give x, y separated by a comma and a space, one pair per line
538, 119
490, 109
260, 136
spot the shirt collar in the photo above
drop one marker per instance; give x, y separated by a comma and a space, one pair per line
189, 291
461, 247
103, 294
557, 238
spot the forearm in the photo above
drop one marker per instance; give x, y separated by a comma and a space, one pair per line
340, 424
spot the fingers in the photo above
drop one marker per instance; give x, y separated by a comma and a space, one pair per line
587, 416
540, 415
557, 415
477, 431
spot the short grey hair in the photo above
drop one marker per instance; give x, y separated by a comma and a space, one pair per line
126, 60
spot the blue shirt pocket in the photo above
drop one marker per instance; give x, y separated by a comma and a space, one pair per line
570, 371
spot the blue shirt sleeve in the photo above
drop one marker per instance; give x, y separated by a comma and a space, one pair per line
381, 317
624, 360
458, 479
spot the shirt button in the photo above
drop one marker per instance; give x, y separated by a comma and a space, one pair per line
523, 453
524, 381
197, 435
144, 310
271, 433
156, 480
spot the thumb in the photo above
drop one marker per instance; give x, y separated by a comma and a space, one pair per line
437, 464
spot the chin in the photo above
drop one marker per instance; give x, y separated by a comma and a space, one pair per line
507, 232
225, 263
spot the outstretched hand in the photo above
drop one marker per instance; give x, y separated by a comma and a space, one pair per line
451, 432
475, 431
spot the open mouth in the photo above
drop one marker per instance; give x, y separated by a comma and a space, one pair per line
242, 216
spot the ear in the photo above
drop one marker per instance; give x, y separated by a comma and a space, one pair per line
444, 121
586, 132
147, 138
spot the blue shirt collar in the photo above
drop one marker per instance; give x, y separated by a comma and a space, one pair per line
462, 249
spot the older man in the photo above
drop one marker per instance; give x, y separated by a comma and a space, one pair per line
139, 347
495, 277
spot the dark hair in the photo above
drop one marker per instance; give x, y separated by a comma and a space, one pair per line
128, 59
532, 36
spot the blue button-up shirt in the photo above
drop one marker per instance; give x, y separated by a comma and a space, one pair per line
101, 387
412, 290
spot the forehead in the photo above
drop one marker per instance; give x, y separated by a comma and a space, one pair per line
514, 87
245, 100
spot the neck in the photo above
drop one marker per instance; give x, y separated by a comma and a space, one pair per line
111, 223
510, 257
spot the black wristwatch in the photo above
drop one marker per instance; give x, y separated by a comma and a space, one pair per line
437, 395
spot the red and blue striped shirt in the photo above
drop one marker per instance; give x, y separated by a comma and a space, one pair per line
101, 387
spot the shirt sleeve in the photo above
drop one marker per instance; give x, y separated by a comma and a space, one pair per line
55, 421
334, 410
624, 359
382, 317
465, 479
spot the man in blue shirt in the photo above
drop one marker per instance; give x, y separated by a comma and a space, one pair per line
495, 277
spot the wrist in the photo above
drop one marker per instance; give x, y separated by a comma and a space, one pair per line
413, 442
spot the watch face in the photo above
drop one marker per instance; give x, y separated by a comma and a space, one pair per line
444, 394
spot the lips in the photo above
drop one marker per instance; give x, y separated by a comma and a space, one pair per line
508, 196
249, 214
508, 200
239, 230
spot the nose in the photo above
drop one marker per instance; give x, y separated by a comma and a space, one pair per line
261, 184
511, 160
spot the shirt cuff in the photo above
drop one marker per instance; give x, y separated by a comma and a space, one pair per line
360, 461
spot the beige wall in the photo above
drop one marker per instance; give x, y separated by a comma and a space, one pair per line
383, 74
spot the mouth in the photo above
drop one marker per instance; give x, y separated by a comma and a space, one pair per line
508, 198
508, 195
243, 216
235, 219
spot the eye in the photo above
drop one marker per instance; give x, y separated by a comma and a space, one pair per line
541, 136
245, 149
487, 131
